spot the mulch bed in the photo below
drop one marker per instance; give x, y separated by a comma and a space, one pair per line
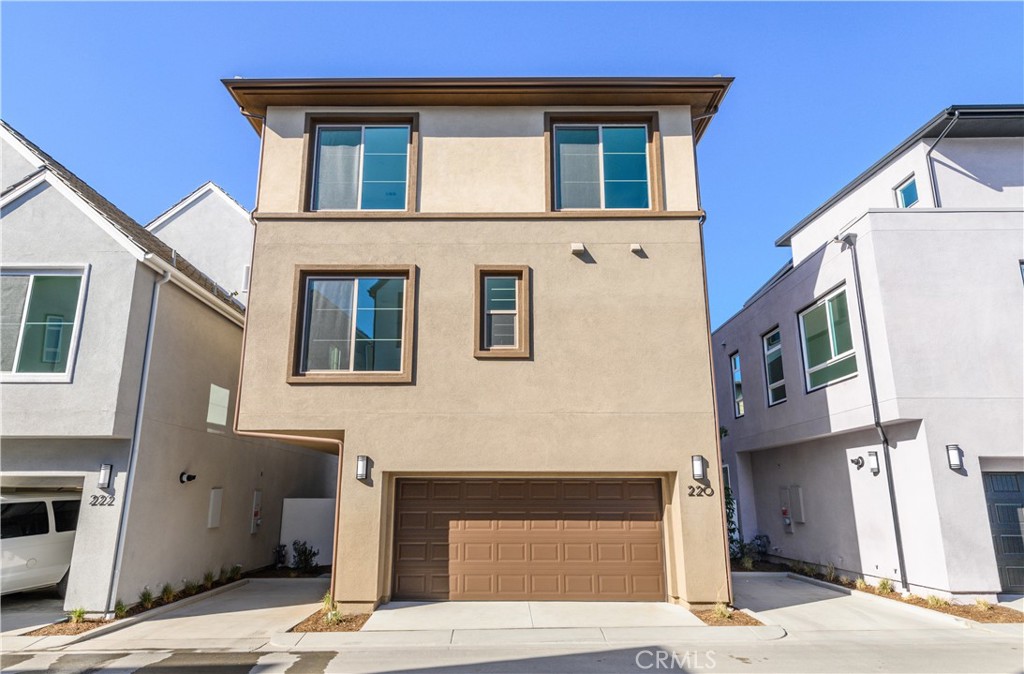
287, 572
994, 613
317, 623
761, 566
735, 619
66, 629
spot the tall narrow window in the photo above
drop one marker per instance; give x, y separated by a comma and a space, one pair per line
39, 312
906, 193
773, 367
828, 341
737, 385
502, 323
360, 168
601, 166
355, 323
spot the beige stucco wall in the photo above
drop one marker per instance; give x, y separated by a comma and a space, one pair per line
619, 382
472, 159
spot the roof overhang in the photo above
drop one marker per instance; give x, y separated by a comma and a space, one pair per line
702, 94
973, 121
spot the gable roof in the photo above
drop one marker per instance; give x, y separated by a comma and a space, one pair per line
986, 121
122, 222
208, 187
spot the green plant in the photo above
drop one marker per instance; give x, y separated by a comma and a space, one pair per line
732, 529
304, 556
911, 597
328, 602
982, 605
860, 584
76, 615
723, 432
120, 610
747, 562
235, 572
843, 580
146, 598
830, 572
190, 587
223, 577
167, 593
935, 602
885, 586
722, 611
208, 580
332, 617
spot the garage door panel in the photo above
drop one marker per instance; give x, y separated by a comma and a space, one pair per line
529, 539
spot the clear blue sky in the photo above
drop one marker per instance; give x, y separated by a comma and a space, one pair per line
129, 95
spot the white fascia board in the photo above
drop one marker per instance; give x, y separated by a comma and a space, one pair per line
23, 189
192, 288
83, 205
27, 154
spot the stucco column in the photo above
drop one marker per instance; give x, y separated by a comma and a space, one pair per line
357, 555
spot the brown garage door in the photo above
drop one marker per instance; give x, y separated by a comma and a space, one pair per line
528, 539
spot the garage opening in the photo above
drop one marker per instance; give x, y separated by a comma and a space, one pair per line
528, 539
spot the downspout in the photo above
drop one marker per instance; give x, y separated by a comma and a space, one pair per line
339, 445
850, 241
133, 452
928, 159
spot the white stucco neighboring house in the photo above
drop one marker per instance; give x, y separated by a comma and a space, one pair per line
119, 364
870, 393
208, 215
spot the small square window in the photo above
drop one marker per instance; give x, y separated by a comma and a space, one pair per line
906, 193
502, 312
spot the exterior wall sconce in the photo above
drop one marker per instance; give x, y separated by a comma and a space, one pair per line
362, 467
955, 457
873, 463
858, 461
698, 467
185, 477
103, 482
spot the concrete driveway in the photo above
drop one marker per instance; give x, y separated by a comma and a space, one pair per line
246, 616
799, 606
24, 611
504, 615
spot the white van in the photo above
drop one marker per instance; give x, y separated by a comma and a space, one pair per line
37, 534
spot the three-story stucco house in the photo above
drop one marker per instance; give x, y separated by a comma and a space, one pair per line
118, 377
489, 296
872, 389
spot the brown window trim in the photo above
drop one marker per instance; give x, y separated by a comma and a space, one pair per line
303, 272
309, 140
654, 163
523, 324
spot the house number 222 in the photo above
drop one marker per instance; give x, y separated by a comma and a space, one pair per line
699, 490
101, 500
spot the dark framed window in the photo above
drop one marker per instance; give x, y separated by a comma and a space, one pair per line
827, 338
502, 320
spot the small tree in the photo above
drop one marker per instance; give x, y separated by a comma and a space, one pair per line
304, 557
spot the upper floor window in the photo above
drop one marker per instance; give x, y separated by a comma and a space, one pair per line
503, 312
906, 193
355, 325
360, 167
737, 385
39, 319
602, 166
828, 341
774, 375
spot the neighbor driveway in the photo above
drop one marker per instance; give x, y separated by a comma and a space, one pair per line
800, 606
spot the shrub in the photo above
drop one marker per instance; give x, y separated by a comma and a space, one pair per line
235, 572
208, 580
223, 576
303, 556
747, 562
190, 587
736, 546
759, 545
146, 598
935, 602
328, 602
332, 617
843, 580
167, 593
76, 615
120, 610
860, 584
885, 586
982, 605
722, 611
830, 572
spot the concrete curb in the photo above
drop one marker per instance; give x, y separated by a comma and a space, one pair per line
54, 642
916, 610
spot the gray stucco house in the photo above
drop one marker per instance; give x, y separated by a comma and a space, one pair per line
871, 391
118, 382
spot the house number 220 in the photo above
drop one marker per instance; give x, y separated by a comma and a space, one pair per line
101, 500
699, 490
